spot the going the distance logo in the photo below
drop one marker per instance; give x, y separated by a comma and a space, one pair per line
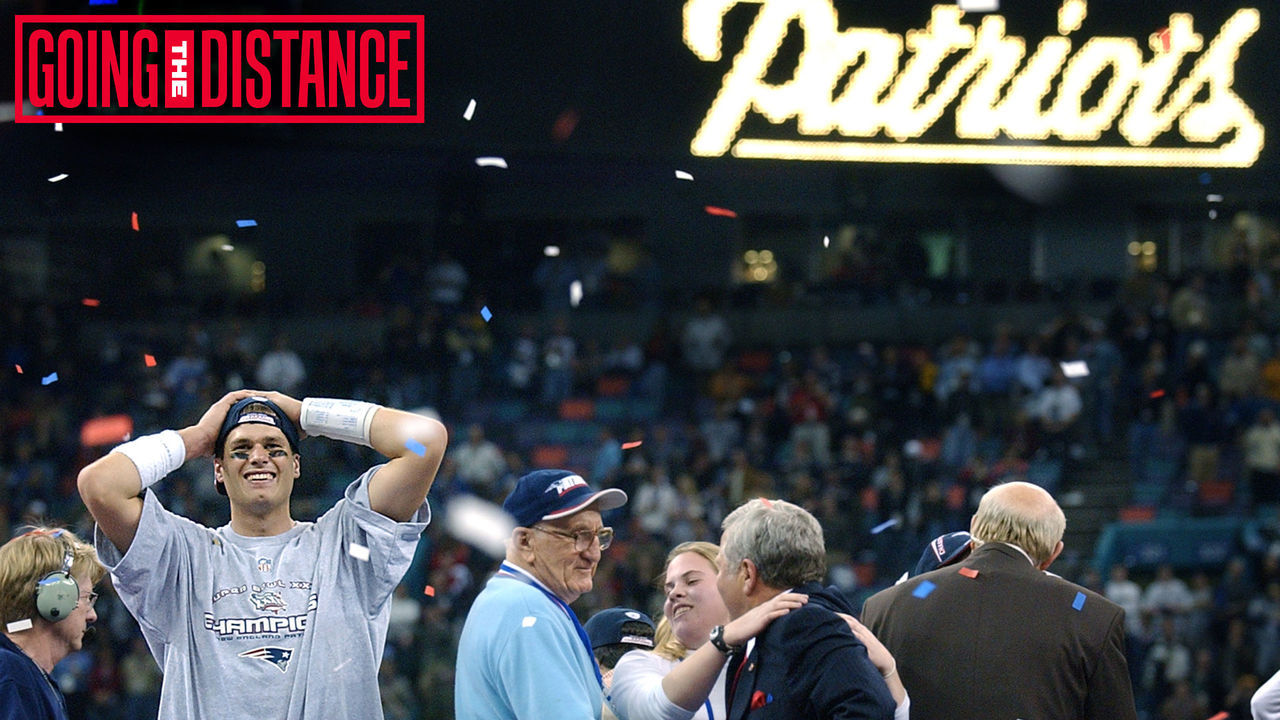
219, 68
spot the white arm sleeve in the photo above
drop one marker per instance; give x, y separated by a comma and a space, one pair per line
637, 694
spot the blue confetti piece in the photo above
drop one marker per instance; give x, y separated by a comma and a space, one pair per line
1078, 603
484, 313
923, 589
418, 448
103, 2
246, 223
49, 379
884, 526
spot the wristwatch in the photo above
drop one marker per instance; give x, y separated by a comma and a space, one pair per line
717, 641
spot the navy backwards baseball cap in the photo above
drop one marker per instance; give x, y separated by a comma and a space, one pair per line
551, 494
605, 628
254, 410
943, 551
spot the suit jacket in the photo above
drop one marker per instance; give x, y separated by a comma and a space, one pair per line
807, 665
1009, 642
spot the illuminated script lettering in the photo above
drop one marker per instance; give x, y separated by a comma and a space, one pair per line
1008, 108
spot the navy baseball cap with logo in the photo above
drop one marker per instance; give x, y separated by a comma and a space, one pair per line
254, 410
605, 628
944, 550
551, 494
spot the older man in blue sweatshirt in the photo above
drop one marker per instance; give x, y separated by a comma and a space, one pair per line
523, 654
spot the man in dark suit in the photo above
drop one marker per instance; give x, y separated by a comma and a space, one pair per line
997, 636
808, 663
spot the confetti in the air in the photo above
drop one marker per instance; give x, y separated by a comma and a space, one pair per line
551, 251
1221, 716
18, 368
1075, 368
133, 220
1164, 38
682, 175
575, 293
491, 162
884, 526
59, 177
57, 127
1213, 197
978, 5
528, 621
149, 360
416, 447
49, 379
722, 212
923, 589
429, 591
91, 302
1155, 394
485, 313
968, 572
228, 247
1078, 603
479, 523
358, 552
246, 223
630, 445
471, 109
19, 625
826, 241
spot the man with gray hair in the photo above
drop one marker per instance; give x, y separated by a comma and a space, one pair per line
996, 635
807, 663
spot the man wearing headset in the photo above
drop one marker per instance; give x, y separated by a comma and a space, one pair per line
46, 606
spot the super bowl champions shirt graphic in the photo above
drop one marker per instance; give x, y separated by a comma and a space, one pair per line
291, 626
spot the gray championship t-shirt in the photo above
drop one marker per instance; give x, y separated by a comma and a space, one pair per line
291, 626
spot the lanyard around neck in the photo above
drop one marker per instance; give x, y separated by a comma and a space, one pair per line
506, 570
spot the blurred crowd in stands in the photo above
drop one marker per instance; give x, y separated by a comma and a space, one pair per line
1180, 381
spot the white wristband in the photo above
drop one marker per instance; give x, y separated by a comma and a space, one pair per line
348, 420
155, 455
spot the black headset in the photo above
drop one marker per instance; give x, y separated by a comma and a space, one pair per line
57, 593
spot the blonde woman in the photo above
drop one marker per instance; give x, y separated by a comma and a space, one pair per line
683, 677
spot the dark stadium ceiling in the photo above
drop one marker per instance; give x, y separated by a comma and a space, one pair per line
573, 94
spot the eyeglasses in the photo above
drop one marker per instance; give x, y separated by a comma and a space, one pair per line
582, 538
91, 597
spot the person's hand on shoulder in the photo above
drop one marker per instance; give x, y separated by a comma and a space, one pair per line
755, 620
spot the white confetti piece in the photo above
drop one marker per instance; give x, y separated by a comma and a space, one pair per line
575, 293
1075, 368
59, 177
978, 5
471, 109
479, 523
342, 664
491, 162
551, 251
358, 552
228, 248
1213, 197
826, 241
682, 175
528, 621
57, 127
19, 625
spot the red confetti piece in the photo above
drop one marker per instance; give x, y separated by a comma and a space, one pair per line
565, 124
968, 572
628, 446
1221, 716
722, 212
91, 302
150, 360
133, 220
18, 368
1157, 394
429, 591
1164, 38
767, 503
